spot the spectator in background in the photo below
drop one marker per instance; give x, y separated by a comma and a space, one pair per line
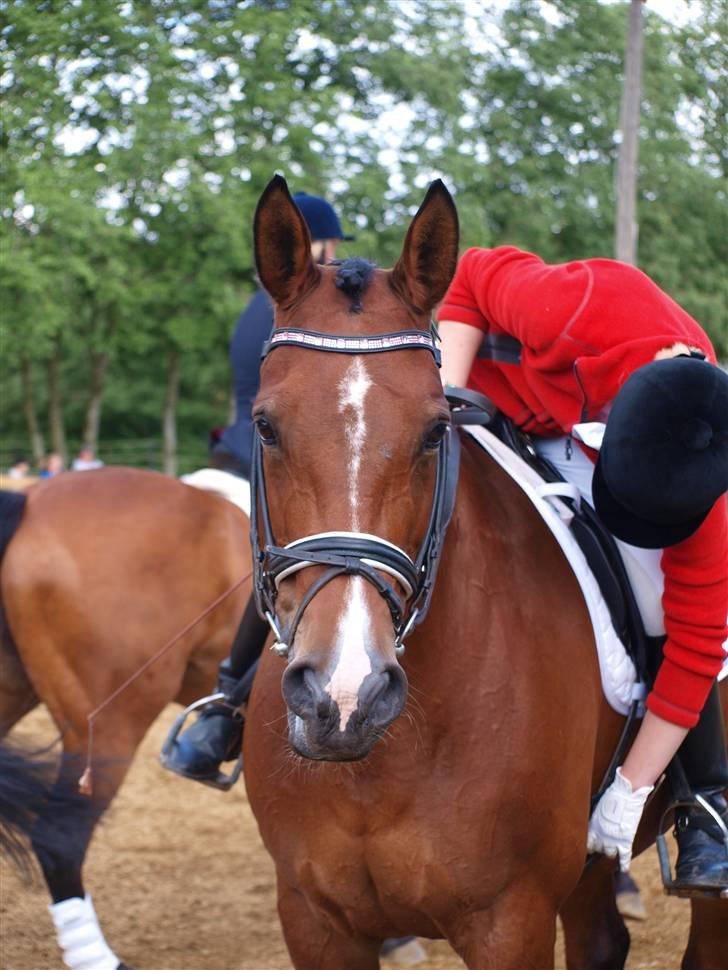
19, 468
52, 466
86, 460
217, 734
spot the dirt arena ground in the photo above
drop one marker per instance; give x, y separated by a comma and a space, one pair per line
181, 881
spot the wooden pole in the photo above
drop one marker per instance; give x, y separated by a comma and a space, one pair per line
626, 222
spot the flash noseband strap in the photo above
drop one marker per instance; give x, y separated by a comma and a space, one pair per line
374, 344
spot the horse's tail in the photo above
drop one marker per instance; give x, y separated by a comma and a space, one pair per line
29, 796
12, 506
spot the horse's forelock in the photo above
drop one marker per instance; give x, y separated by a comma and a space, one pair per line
353, 277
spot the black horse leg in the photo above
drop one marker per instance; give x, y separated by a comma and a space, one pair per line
61, 858
60, 839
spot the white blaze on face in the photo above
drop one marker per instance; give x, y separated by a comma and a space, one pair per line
353, 389
353, 662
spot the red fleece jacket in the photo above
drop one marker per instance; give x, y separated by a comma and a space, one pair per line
584, 327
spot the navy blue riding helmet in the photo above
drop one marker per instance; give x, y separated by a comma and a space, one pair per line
322, 221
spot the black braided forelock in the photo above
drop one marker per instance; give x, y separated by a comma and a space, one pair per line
353, 277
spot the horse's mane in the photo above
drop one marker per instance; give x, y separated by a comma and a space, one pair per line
353, 276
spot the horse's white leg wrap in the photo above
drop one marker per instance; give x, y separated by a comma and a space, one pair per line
80, 936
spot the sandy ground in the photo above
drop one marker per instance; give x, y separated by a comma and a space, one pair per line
181, 881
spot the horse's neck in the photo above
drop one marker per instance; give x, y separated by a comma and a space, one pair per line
502, 584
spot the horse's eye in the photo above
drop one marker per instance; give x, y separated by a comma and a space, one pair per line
434, 435
266, 431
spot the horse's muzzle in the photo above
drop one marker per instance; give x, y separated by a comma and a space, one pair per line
317, 727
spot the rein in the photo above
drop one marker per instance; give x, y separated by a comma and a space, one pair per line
85, 782
352, 553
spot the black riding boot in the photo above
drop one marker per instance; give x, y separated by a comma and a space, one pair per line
702, 860
217, 734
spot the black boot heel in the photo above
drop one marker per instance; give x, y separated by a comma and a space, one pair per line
216, 736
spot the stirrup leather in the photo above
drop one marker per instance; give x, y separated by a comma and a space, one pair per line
222, 781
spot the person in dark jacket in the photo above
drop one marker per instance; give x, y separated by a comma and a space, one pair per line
216, 735
232, 450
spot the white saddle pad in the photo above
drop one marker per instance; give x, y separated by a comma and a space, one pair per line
619, 679
229, 486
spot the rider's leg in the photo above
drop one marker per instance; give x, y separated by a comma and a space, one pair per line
702, 855
217, 734
702, 858
248, 643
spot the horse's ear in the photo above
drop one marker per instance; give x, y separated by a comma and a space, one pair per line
282, 245
430, 254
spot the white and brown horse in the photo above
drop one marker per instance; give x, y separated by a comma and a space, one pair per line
100, 570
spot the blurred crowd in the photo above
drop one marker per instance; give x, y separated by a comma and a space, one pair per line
52, 465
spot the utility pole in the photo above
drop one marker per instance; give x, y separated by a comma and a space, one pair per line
626, 222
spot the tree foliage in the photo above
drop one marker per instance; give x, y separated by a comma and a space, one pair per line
137, 137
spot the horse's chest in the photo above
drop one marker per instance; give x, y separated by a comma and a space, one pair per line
366, 878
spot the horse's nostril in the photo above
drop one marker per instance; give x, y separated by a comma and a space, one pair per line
303, 692
384, 697
311, 681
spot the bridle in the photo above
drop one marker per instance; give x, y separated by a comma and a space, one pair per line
352, 553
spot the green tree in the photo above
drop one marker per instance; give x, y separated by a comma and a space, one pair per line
535, 163
138, 136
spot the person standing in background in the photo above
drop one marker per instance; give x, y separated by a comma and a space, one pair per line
52, 466
231, 451
86, 460
19, 468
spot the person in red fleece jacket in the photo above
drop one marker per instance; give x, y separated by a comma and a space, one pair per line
593, 351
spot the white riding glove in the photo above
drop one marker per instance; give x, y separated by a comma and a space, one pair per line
614, 822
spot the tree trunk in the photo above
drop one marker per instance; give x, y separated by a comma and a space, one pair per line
55, 404
626, 224
37, 446
169, 418
99, 364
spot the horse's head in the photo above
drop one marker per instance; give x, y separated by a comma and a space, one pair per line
349, 478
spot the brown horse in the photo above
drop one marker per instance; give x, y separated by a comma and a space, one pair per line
465, 818
103, 569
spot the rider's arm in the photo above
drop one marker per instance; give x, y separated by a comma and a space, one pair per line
695, 602
653, 749
459, 344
